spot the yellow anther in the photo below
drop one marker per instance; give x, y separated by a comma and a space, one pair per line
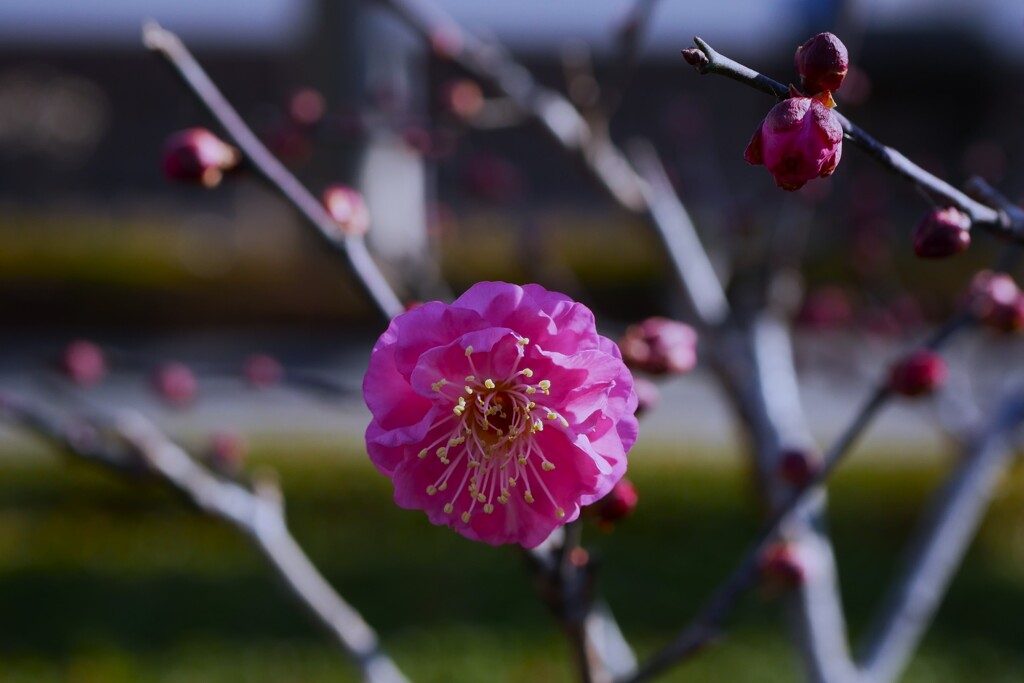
499, 432
531, 390
481, 497
544, 384
462, 401
431, 490
523, 341
448, 508
526, 371
473, 463
469, 350
445, 461
502, 499
560, 513
512, 482
531, 405
443, 486
522, 461
547, 466
459, 410
528, 497
469, 389
551, 415
488, 508
465, 515
422, 454
441, 452
489, 383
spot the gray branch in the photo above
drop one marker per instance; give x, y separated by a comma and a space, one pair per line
939, 546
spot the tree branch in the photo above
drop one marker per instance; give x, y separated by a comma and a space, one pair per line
939, 546
257, 513
707, 61
351, 248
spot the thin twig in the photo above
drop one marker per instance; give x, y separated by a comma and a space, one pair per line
708, 61
939, 546
706, 625
257, 513
351, 248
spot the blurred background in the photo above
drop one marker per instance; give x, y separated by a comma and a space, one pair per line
103, 581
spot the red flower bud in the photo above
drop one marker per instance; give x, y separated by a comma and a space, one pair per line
198, 156
462, 97
942, 233
618, 504
83, 363
997, 302
647, 395
660, 346
800, 139
781, 568
226, 452
175, 383
347, 208
920, 373
261, 371
307, 106
797, 467
822, 63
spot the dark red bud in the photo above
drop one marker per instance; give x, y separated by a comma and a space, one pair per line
176, 384
347, 208
822, 63
798, 467
83, 363
307, 106
781, 568
918, 374
942, 233
695, 57
198, 156
660, 346
261, 370
618, 504
226, 451
997, 302
647, 395
463, 98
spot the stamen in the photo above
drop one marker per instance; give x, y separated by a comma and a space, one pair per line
489, 383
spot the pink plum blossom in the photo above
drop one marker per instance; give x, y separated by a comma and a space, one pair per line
501, 414
800, 139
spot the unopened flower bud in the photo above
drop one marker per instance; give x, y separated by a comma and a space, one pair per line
942, 233
797, 466
347, 208
226, 451
175, 383
261, 370
647, 395
997, 302
781, 568
660, 346
618, 504
83, 363
800, 139
695, 57
919, 373
822, 63
198, 156
463, 98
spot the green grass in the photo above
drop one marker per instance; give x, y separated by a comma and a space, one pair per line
107, 581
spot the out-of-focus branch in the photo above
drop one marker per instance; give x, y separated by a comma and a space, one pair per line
708, 61
258, 513
564, 579
351, 248
552, 110
629, 41
939, 546
679, 236
815, 606
652, 197
706, 625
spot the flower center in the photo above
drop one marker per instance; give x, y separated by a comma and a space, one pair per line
488, 443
